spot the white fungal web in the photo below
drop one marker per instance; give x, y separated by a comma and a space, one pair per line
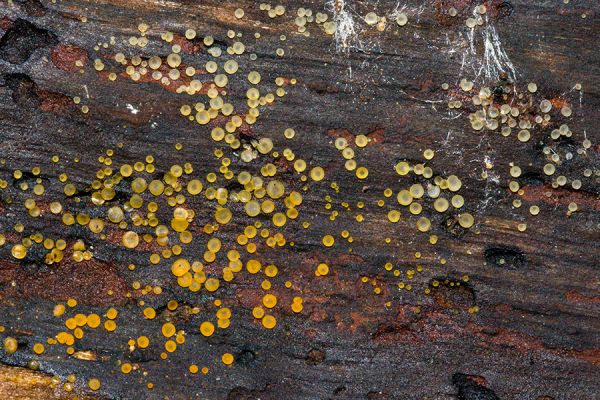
346, 35
413, 13
398, 9
350, 24
492, 61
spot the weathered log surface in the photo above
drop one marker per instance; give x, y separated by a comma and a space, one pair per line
537, 332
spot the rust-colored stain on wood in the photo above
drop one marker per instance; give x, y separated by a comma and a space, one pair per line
320, 199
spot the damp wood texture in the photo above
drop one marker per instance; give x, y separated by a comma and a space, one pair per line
300, 200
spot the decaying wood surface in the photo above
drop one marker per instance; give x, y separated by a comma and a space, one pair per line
536, 335
24, 384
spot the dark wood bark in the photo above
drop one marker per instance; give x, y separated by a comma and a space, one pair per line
536, 335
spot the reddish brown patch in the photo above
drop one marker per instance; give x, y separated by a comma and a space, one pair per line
8, 272
359, 320
322, 87
558, 102
341, 132
284, 165
88, 282
576, 297
376, 136
5, 23
508, 338
286, 80
53, 102
402, 121
187, 46
311, 333
478, 379
589, 355
309, 262
524, 343
425, 85
459, 94
394, 333
64, 57
27, 91
503, 308
346, 259
249, 298
318, 315
246, 129
560, 196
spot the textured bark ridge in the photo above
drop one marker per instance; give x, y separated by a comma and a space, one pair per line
427, 304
